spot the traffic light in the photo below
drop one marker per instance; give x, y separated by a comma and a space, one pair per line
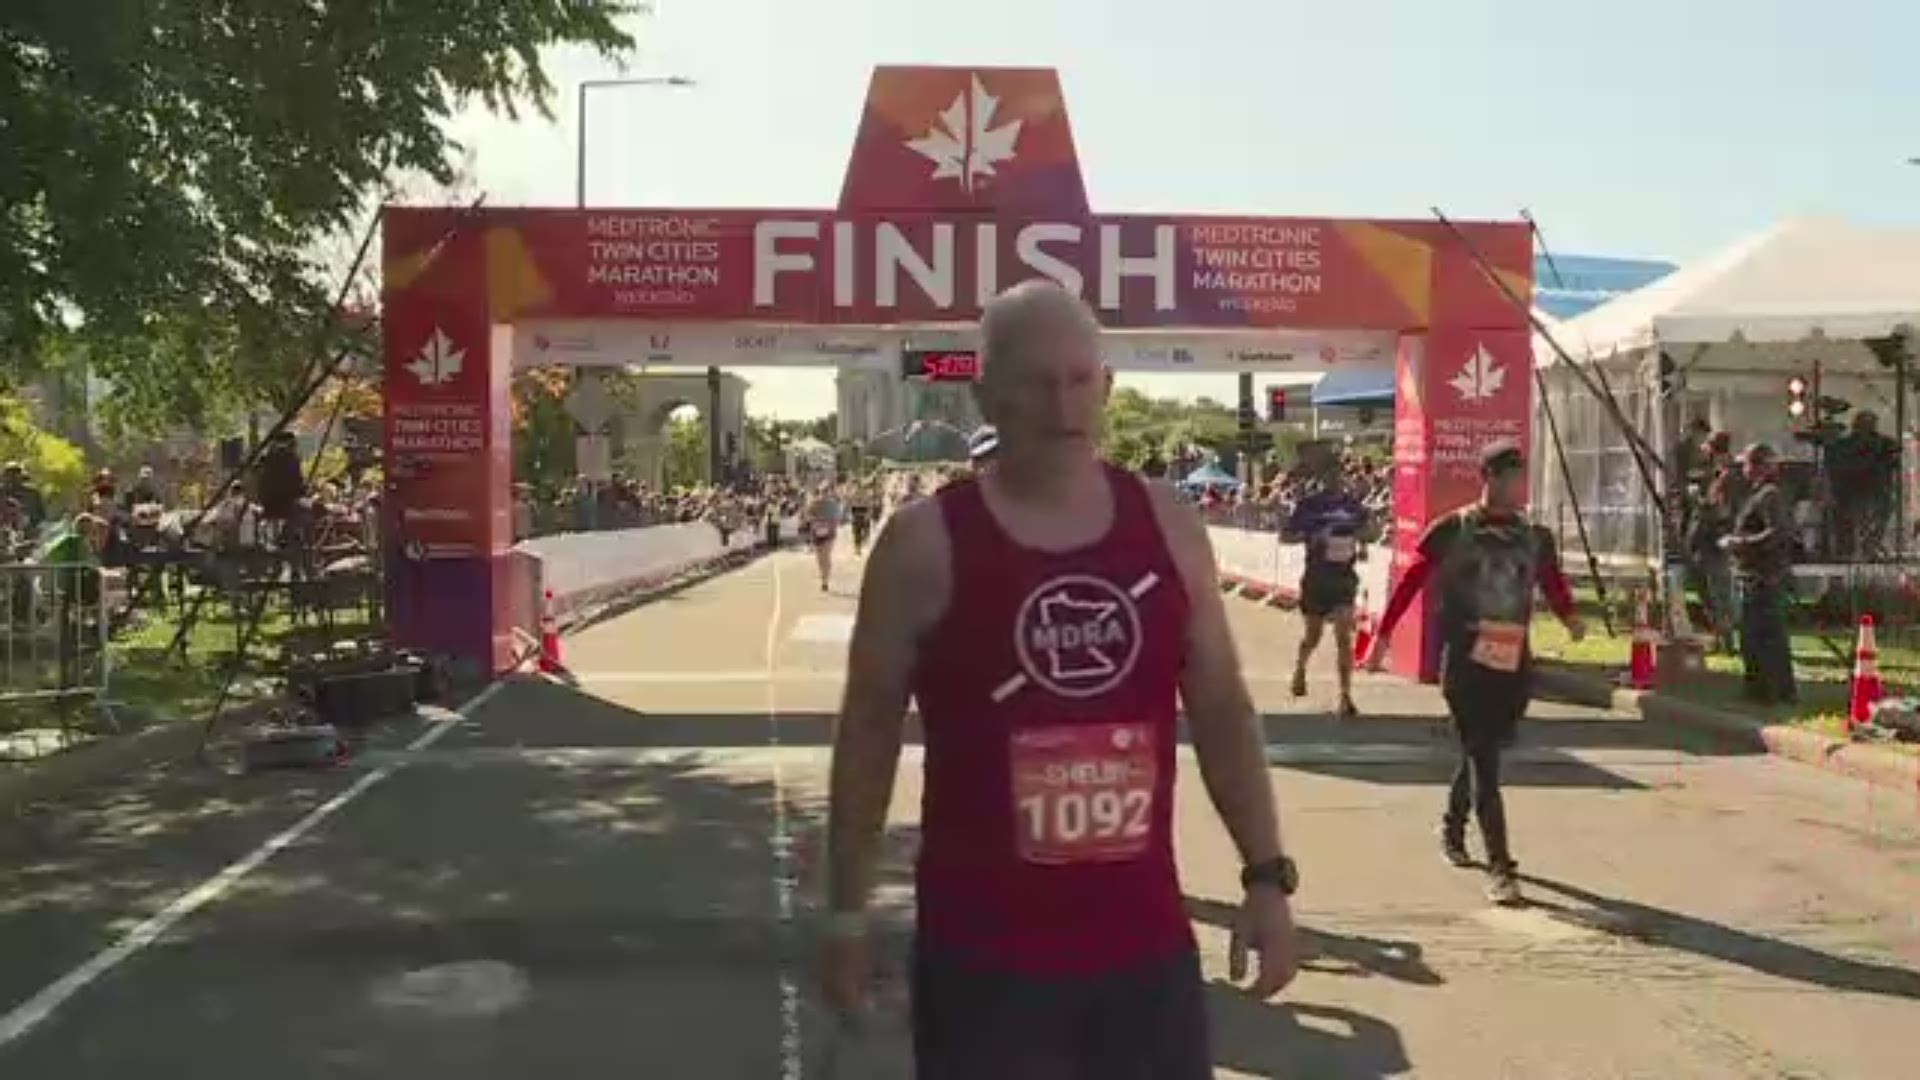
1276, 404
1797, 399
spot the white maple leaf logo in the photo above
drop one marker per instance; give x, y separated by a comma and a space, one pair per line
438, 361
1480, 378
964, 145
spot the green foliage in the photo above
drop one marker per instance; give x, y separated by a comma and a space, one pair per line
767, 439
1139, 427
542, 431
171, 164
55, 465
686, 463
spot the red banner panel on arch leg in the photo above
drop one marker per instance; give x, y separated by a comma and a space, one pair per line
1458, 391
448, 439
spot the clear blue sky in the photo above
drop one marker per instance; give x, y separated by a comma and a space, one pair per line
1664, 128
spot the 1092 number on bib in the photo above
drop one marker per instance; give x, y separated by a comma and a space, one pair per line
1083, 792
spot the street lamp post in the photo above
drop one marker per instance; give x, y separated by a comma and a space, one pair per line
580, 161
580, 184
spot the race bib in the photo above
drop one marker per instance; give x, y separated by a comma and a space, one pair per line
1083, 793
1341, 549
1498, 645
822, 531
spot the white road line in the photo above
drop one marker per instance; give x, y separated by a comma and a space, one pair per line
23, 1018
792, 1061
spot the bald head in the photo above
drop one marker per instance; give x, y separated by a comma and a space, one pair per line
1015, 325
1042, 383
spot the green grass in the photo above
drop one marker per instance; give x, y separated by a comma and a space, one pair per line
1822, 677
160, 686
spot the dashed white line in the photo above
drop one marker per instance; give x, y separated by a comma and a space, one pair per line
792, 1052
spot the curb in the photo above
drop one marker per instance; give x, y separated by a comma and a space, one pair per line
1862, 761
116, 755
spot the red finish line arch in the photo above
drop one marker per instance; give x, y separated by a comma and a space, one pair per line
962, 182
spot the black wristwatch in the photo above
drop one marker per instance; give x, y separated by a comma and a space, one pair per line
1279, 873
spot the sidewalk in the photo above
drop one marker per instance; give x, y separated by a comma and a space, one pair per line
1883, 766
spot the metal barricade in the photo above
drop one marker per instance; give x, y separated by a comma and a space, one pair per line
54, 630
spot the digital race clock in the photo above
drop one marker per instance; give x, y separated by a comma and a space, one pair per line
940, 365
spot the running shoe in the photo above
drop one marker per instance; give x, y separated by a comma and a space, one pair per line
1345, 710
1299, 682
1454, 850
1503, 886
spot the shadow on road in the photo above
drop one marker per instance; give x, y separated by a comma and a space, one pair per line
1285, 1038
1687, 933
639, 904
80, 868
1297, 1039
1391, 749
1337, 954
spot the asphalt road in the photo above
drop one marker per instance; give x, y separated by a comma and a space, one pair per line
611, 880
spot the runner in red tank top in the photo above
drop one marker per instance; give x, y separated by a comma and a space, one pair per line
1049, 618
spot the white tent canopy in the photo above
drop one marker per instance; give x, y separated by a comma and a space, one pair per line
809, 449
1805, 278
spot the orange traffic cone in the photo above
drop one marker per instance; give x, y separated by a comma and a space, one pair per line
1640, 664
1363, 629
1865, 690
550, 662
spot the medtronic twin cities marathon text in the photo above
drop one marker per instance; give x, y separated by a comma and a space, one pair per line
944, 266
451, 428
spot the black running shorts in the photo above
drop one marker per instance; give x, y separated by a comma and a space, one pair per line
1144, 1023
1323, 593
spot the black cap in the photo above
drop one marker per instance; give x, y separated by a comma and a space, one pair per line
1501, 457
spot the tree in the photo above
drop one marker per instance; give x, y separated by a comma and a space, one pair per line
543, 433
55, 466
1140, 428
686, 451
170, 166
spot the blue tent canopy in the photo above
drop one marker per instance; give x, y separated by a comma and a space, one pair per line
1356, 386
1210, 476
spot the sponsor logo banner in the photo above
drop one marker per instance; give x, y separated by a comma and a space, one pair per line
619, 344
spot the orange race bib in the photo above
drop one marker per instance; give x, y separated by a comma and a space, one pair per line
1083, 792
1498, 645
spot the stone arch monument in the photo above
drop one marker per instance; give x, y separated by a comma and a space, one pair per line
721, 399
